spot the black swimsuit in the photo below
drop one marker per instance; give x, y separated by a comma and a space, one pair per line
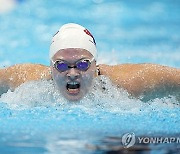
98, 70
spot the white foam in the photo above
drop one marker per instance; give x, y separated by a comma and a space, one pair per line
110, 99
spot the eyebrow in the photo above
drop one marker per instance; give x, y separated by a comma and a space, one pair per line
61, 59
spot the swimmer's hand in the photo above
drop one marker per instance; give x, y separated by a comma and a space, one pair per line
12, 77
144, 81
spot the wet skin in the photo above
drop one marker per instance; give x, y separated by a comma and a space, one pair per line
140, 80
84, 78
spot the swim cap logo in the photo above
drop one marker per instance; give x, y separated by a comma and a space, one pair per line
56, 33
128, 140
88, 33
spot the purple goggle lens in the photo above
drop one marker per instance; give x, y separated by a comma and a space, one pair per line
82, 65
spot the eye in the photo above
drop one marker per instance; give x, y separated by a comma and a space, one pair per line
61, 66
83, 65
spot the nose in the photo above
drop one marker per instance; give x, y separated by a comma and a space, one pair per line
73, 74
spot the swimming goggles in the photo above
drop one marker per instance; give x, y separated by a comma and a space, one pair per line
82, 65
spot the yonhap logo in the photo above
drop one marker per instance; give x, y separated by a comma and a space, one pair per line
128, 140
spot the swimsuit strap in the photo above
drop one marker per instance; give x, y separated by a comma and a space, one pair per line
98, 70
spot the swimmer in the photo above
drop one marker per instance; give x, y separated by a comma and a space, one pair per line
73, 66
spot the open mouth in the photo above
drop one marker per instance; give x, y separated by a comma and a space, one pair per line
73, 87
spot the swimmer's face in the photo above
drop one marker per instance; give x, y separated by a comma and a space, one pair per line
73, 83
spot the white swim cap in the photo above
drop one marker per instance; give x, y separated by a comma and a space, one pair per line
73, 36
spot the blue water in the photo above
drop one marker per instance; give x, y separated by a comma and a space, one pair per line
36, 119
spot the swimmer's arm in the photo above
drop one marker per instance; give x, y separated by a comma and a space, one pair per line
13, 76
144, 79
3, 82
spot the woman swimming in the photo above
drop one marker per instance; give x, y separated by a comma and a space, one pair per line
73, 57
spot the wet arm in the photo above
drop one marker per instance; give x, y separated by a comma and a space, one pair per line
15, 75
144, 79
3, 82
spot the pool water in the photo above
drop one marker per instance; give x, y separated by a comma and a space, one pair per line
35, 118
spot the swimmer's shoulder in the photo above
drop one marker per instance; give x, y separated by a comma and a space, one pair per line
26, 66
139, 79
17, 74
28, 70
120, 69
134, 68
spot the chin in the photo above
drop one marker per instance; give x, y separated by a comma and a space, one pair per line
75, 97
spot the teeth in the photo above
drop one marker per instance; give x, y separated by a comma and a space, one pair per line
73, 83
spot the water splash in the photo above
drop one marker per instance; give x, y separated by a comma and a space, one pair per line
36, 115
104, 96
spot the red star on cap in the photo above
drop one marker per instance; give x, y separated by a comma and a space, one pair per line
88, 33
